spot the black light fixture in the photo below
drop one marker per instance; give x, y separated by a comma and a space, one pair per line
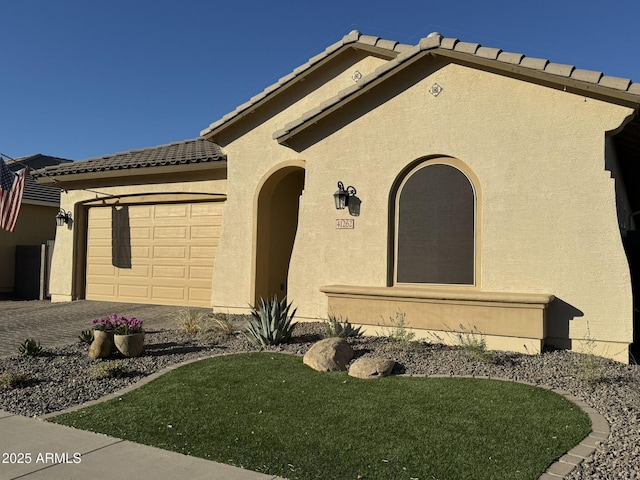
63, 217
341, 197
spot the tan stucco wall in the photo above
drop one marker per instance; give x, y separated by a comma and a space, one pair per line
35, 225
549, 222
62, 276
256, 157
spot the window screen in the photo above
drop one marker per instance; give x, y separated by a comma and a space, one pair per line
435, 233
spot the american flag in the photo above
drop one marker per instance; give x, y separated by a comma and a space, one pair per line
11, 190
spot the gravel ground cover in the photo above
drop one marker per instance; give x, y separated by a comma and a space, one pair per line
61, 377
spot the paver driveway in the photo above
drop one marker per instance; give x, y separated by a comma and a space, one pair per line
56, 324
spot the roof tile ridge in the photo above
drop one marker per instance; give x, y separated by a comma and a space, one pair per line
145, 149
436, 40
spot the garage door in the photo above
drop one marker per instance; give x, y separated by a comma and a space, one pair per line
160, 254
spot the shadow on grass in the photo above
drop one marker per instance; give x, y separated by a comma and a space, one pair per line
171, 348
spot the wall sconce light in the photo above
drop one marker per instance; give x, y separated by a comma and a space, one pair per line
63, 217
346, 197
341, 197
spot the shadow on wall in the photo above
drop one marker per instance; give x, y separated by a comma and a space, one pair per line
632, 247
558, 317
121, 237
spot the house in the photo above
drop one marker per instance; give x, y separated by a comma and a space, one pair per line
36, 220
483, 191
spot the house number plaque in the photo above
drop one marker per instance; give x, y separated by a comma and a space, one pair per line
344, 223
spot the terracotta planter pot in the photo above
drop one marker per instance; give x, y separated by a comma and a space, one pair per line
102, 345
130, 345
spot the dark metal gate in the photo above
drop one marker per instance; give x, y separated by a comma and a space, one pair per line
33, 266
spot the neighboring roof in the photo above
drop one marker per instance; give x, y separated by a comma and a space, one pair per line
586, 81
355, 39
180, 153
34, 193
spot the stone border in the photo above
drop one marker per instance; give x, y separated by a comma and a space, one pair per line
560, 469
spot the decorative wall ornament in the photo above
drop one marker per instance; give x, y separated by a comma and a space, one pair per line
435, 90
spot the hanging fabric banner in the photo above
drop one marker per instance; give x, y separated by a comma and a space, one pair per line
11, 190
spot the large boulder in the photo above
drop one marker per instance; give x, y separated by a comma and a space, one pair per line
329, 355
371, 367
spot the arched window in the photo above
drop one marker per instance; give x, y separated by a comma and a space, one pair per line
435, 226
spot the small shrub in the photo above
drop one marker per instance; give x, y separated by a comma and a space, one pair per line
108, 370
589, 366
474, 344
30, 347
271, 324
334, 327
10, 379
86, 336
189, 321
223, 325
398, 333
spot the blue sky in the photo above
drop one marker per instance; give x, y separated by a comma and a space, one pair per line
84, 78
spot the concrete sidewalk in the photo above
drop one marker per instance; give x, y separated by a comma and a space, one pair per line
58, 452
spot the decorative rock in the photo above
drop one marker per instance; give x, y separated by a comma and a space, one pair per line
130, 345
102, 344
329, 355
371, 367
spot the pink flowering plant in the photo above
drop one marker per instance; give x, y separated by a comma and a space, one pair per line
127, 326
103, 324
118, 325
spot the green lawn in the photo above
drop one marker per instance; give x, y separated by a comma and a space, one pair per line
268, 412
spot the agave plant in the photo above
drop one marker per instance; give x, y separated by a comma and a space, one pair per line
86, 336
30, 347
271, 323
335, 327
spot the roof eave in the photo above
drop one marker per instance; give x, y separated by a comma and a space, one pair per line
286, 82
62, 179
608, 94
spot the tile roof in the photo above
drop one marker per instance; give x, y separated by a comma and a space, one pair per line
180, 153
34, 193
354, 38
473, 52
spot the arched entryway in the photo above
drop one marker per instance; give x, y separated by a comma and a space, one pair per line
277, 223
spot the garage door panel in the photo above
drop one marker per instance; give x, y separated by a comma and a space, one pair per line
138, 233
206, 209
133, 290
101, 270
200, 252
174, 293
200, 273
168, 251
204, 232
141, 213
200, 297
140, 252
171, 211
103, 290
101, 234
172, 254
138, 271
169, 271
100, 252
176, 234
